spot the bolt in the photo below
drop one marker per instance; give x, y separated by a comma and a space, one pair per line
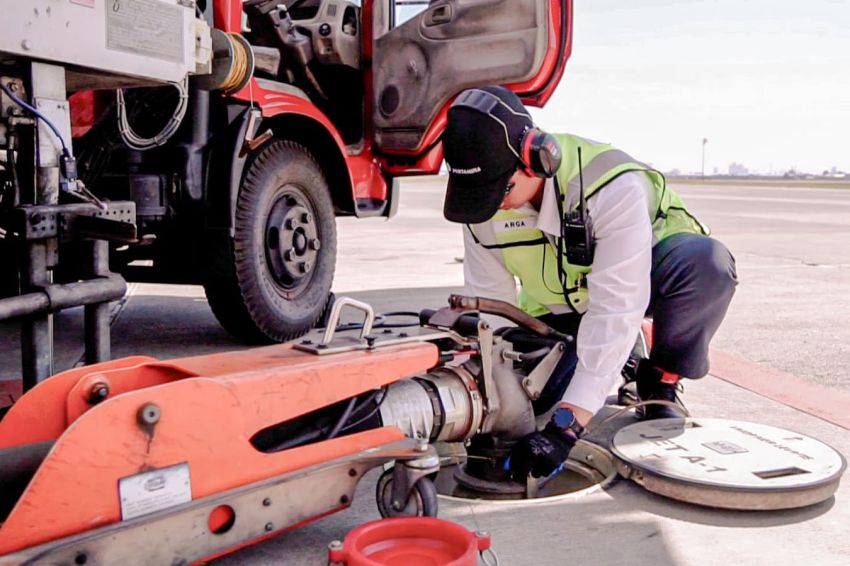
527, 382
288, 255
352, 472
267, 501
335, 545
315, 244
289, 224
387, 331
403, 334
148, 414
304, 266
26, 45
98, 393
344, 499
306, 342
306, 218
589, 457
370, 340
269, 527
422, 446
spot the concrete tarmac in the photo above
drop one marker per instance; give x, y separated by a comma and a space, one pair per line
788, 315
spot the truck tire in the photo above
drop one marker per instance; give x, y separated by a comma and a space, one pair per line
270, 282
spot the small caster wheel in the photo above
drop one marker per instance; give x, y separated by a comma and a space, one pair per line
422, 501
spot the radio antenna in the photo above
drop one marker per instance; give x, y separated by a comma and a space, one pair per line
582, 202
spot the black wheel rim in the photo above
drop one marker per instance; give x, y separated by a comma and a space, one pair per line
291, 241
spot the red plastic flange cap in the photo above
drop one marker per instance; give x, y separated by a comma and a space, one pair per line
410, 541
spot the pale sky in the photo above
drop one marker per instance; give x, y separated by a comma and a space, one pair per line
766, 81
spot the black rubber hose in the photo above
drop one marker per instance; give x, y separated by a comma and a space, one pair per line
535, 355
371, 413
343, 418
298, 440
318, 432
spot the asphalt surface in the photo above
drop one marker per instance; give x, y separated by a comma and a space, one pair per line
791, 308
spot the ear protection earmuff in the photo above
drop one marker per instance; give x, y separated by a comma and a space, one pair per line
539, 152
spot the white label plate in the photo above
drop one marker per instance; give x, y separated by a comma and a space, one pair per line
154, 491
145, 27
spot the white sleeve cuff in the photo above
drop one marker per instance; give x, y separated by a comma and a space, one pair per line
588, 391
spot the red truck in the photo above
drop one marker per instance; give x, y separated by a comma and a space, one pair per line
313, 110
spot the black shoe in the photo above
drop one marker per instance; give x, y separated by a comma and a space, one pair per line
651, 388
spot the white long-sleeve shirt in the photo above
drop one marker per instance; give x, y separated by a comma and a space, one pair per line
618, 285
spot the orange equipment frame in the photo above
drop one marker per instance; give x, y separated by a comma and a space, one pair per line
111, 421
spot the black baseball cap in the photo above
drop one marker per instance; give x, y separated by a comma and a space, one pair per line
481, 145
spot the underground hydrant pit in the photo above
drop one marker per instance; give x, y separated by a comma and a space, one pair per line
589, 468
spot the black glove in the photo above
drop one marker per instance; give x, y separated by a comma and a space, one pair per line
541, 452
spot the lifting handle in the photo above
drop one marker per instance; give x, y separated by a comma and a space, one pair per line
333, 318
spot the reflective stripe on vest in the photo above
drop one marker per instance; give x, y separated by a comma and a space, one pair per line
594, 170
530, 256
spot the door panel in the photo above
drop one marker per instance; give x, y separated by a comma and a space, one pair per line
456, 44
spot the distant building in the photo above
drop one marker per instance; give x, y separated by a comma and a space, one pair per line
738, 170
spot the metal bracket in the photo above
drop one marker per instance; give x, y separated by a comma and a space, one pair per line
252, 141
8, 108
264, 507
331, 340
488, 384
115, 222
539, 376
407, 473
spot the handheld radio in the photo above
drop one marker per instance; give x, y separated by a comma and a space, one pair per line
578, 228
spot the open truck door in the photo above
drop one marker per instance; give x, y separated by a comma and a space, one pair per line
421, 63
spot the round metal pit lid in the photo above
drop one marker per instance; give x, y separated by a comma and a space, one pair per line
728, 464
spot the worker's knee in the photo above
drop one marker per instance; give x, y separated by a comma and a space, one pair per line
694, 266
713, 267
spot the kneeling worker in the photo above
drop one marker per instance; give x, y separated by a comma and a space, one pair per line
597, 240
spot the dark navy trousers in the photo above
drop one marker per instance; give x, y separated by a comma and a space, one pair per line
693, 279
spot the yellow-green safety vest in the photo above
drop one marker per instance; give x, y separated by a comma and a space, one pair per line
530, 256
